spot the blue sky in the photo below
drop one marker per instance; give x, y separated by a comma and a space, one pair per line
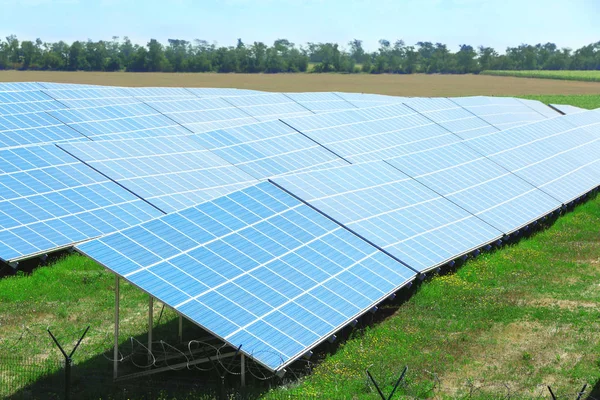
498, 23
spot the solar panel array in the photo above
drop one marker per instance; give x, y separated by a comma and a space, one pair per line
272, 220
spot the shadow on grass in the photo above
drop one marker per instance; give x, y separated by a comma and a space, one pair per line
92, 379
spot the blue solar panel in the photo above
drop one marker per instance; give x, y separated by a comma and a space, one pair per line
268, 106
501, 112
393, 211
388, 131
57, 85
365, 100
257, 268
219, 92
203, 115
12, 103
171, 173
321, 102
119, 122
567, 108
34, 128
451, 116
561, 160
540, 108
19, 86
83, 97
267, 149
160, 93
478, 185
49, 200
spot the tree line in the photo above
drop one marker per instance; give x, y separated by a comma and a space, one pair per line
284, 56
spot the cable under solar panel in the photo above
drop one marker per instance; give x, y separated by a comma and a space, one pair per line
267, 149
393, 211
203, 115
478, 185
34, 128
49, 200
388, 132
119, 122
257, 268
170, 173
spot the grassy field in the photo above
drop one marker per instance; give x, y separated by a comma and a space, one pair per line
588, 76
398, 85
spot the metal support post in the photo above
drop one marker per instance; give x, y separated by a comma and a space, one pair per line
180, 329
150, 326
116, 344
243, 370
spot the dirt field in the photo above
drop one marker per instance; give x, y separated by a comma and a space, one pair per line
398, 85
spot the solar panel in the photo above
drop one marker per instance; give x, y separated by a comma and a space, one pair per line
25, 102
256, 268
34, 128
389, 131
321, 102
159, 93
119, 122
540, 108
501, 112
203, 115
268, 106
49, 201
267, 149
561, 160
58, 85
19, 86
567, 108
92, 96
393, 211
219, 92
171, 173
364, 100
451, 116
478, 185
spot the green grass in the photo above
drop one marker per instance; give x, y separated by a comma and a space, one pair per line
587, 101
588, 76
519, 318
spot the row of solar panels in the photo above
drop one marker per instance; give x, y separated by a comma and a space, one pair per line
179, 171
280, 266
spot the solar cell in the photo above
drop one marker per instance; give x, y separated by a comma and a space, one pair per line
267, 149
49, 200
119, 122
34, 128
451, 116
389, 131
478, 185
171, 173
256, 268
268, 106
203, 115
393, 211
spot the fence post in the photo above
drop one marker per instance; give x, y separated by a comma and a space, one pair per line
68, 361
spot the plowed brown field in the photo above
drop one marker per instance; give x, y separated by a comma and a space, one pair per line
398, 85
